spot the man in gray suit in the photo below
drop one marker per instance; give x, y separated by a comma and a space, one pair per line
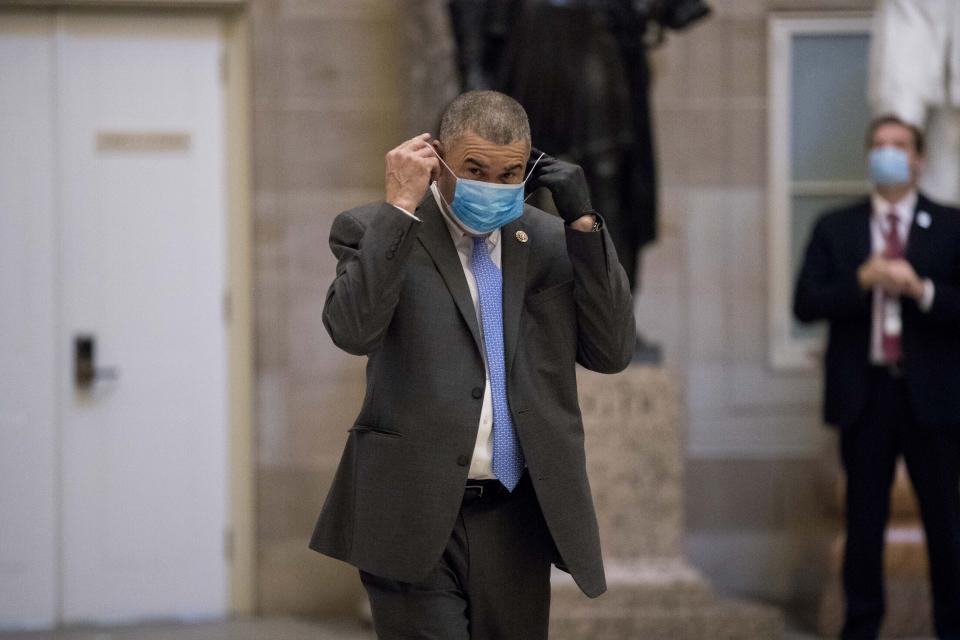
463, 478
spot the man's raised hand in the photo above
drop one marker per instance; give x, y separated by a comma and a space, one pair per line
566, 182
409, 169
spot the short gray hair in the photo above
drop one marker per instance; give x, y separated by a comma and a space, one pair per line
492, 115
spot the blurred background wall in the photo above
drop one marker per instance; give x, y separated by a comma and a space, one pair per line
328, 103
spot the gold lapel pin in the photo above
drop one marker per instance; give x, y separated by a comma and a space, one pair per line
522, 236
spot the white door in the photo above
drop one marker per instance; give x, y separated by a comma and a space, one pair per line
139, 221
27, 323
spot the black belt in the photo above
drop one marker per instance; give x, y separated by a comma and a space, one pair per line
484, 491
894, 370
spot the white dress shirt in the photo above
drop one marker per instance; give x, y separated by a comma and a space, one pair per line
481, 465
879, 228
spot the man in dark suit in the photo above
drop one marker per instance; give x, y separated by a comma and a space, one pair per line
463, 477
885, 274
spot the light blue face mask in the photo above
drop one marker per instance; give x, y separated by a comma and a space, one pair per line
482, 207
889, 166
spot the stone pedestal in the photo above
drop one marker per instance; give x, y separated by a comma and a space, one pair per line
635, 463
908, 613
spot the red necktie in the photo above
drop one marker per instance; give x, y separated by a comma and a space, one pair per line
892, 251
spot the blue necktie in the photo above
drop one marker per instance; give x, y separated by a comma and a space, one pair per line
508, 459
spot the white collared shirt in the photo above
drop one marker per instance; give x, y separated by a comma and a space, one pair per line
879, 228
481, 465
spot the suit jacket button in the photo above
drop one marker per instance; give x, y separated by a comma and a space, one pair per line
463, 460
477, 393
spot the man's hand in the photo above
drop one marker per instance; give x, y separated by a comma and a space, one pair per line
904, 280
872, 272
566, 183
895, 277
409, 170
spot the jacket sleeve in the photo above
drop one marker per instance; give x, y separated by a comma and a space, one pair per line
826, 289
370, 266
606, 331
946, 300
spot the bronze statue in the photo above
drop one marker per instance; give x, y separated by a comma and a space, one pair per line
580, 69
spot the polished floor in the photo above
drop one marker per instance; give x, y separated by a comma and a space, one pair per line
243, 629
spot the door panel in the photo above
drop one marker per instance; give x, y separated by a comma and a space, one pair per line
27, 332
112, 227
142, 227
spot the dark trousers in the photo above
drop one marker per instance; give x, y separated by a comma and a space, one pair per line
492, 582
869, 450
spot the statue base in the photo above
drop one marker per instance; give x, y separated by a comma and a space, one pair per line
656, 599
635, 452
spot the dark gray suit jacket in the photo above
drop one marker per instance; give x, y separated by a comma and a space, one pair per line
400, 298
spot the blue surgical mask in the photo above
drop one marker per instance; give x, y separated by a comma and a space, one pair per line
889, 166
482, 207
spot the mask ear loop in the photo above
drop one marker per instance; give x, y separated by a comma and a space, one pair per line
442, 162
444, 200
531, 173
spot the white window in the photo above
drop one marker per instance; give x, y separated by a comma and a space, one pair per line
817, 87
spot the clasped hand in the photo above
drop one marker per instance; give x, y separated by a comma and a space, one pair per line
895, 276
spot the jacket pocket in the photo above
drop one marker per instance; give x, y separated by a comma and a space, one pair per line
550, 293
379, 431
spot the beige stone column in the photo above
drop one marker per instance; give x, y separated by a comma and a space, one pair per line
635, 448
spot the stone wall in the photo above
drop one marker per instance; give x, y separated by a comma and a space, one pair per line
326, 108
755, 444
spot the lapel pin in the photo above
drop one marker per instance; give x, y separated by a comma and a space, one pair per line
522, 236
923, 219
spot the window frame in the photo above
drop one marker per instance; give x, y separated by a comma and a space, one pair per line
786, 351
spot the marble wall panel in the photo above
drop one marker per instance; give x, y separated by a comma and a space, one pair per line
757, 484
322, 60
761, 563
335, 147
326, 109
673, 154
708, 137
747, 39
266, 150
272, 419
739, 8
264, 36
708, 64
320, 413
295, 580
819, 5
747, 153
290, 501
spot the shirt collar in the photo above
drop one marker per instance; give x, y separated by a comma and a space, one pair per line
460, 237
904, 209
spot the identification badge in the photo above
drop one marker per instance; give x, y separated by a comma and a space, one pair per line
892, 325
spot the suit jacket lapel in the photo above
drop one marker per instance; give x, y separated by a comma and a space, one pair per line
513, 258
435, 238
